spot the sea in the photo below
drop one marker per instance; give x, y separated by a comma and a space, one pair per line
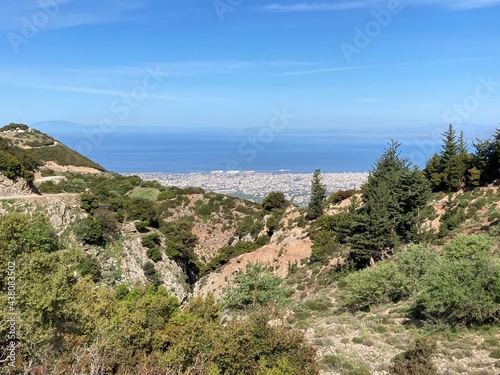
130, 150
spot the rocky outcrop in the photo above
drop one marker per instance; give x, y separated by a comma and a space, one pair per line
61, 210
133, 259
16, 187
278, 256
288, 246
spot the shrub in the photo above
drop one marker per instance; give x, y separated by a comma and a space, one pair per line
154, 254
49, 187
371, 286
417, 359
10, 166
166, 195
109, 222
40, 236
151, 240
90, 266
191, 190
205, 210
274, 200
461, 291
142, 226
495, 353
143, 210
413, 263
253, 289
262, 241
47, 172
451, 219
318, 305
89, 231
249, 225
468, 246
150, 273
325, 246
89, 202
273, 224
340, 195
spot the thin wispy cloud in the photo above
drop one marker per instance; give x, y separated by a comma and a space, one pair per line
466, 4
324, 70
314, 7
15, 15
359, 4
96, 91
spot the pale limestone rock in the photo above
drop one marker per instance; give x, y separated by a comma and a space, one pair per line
17, 187
134, 257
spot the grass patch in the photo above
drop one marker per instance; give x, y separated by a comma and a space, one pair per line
495, 354
145, 193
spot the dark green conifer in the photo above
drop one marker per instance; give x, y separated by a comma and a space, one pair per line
317, 198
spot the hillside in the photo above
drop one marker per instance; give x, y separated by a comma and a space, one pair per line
119, 275
42, 150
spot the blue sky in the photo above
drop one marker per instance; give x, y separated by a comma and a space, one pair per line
231, 66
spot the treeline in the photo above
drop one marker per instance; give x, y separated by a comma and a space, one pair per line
383, 228
394, 200
455, 167
388, 214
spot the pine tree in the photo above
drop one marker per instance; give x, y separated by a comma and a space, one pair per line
393, 197
450, 146
487, 158
433, 172
462, 144
448, 170
317, 198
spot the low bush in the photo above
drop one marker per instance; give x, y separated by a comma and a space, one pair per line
154, 254
90, 266
468, 246
413, 263
151, 274
274, 200
340, 195
371, 286
461, 291
254, 289
89, 231
417, 359
151, 240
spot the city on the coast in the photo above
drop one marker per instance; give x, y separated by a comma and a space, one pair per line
255, 186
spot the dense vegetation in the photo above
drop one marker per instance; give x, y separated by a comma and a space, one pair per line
67, 322
16, 162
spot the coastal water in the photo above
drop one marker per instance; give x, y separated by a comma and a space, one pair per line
184, 152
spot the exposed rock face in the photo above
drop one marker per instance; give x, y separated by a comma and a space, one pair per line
61, 210
133, 259
288, 246
279, 256
16, 187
